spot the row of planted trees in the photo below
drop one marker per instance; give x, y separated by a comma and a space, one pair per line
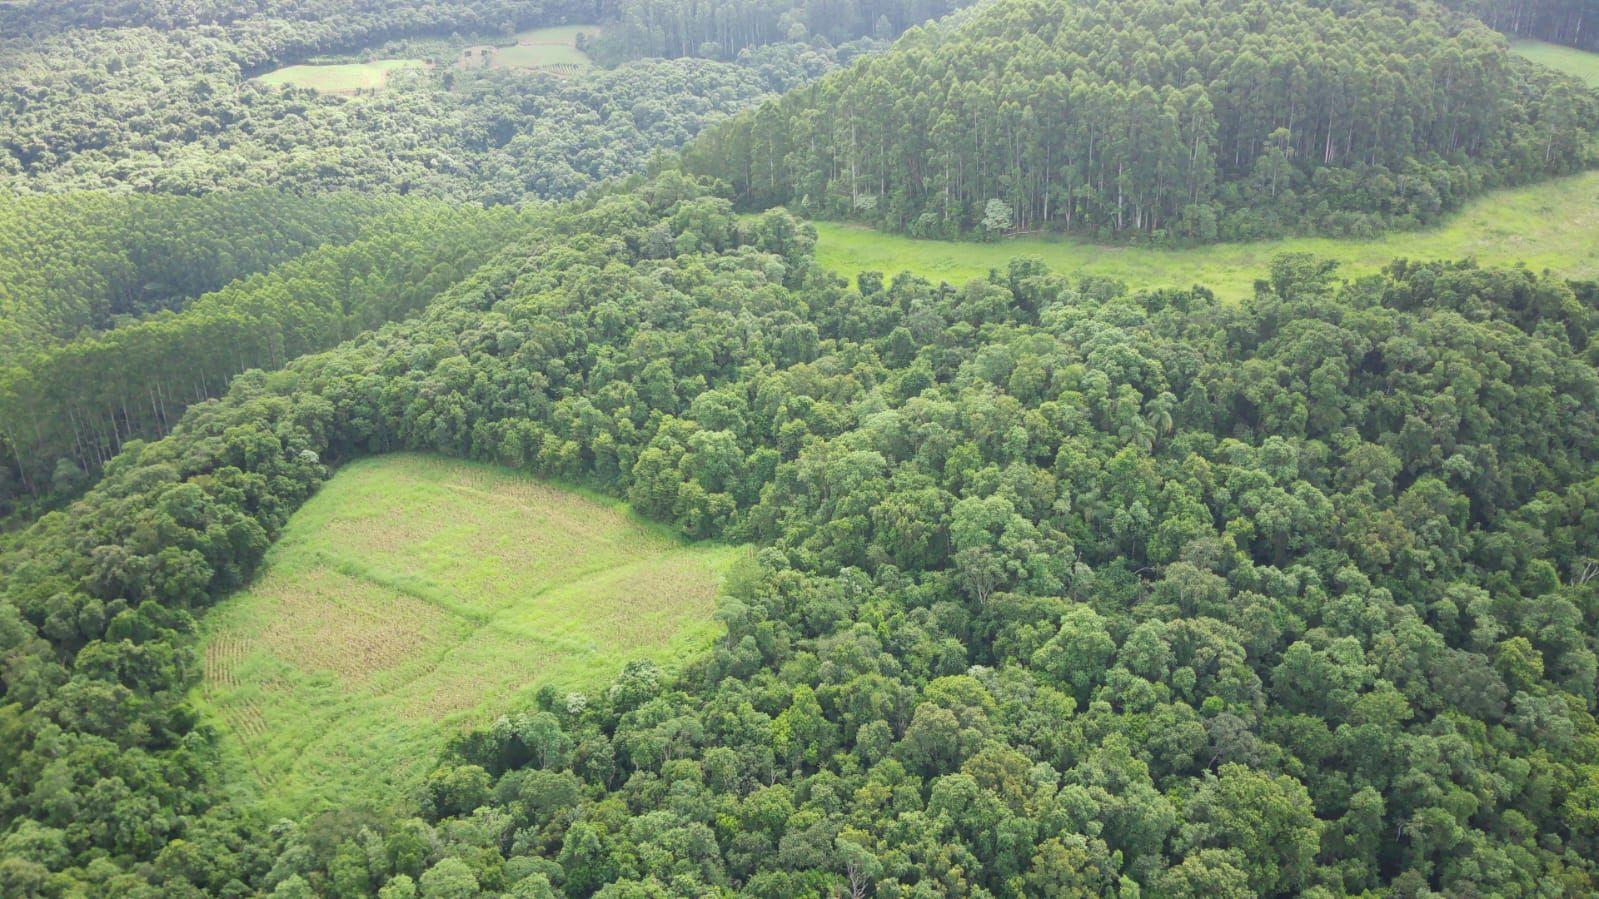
66, 409
1234, 120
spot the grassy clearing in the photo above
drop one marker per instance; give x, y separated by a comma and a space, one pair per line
1553, 225
536, 49
558, 34
540, 56
340, 78
1579, 63
413, 597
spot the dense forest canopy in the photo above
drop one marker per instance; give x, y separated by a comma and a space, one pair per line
71, 263
158, 97
1229, 119
1053, 588
1062, 590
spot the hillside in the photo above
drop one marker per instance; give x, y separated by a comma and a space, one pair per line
1142, 449
1201, 121
1169, 591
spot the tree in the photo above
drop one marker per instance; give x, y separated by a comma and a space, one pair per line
998, 218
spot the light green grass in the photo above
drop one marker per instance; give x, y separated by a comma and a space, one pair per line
540, 56
413, 597
550, 49
1578, 63
1553, 225
340, 78
558, 34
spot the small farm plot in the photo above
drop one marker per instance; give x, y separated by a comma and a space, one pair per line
414, 597
552, 50
340, 78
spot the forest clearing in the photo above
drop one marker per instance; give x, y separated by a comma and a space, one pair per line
415, 596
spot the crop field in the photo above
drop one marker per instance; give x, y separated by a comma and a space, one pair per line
1580, 63
415, 596
339, 78
1553, 225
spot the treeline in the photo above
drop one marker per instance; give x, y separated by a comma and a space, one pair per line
67, 409
77, 262
1574, 23
722, 29
1061, 590
1225, 120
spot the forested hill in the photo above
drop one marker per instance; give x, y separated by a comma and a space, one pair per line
1060, 590
1223, 119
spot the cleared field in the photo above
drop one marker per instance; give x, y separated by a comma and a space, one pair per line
1553, 225
1580, 63
557, 34
539, 56
542, 49
340, 78
415, 596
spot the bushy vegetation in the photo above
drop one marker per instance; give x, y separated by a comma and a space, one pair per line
175, 114
1054, 587
98, 101
1231, 120
1061, 588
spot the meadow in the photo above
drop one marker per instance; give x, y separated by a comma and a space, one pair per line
550, 49
414, 597
339, 78
1553, 225
1579, 63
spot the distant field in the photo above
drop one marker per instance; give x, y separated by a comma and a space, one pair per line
558, 34
414, 596
340, 78
539, 56
1553, 225
1580, 63
551, 49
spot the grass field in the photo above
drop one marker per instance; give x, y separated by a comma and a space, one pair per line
539, 56
1572, 61
340, 78
1553, 225
414, 596
548, 49
557, 34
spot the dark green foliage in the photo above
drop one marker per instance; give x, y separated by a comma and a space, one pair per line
1060, 591
73, 263
68, 408
1230, 119
175, 115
